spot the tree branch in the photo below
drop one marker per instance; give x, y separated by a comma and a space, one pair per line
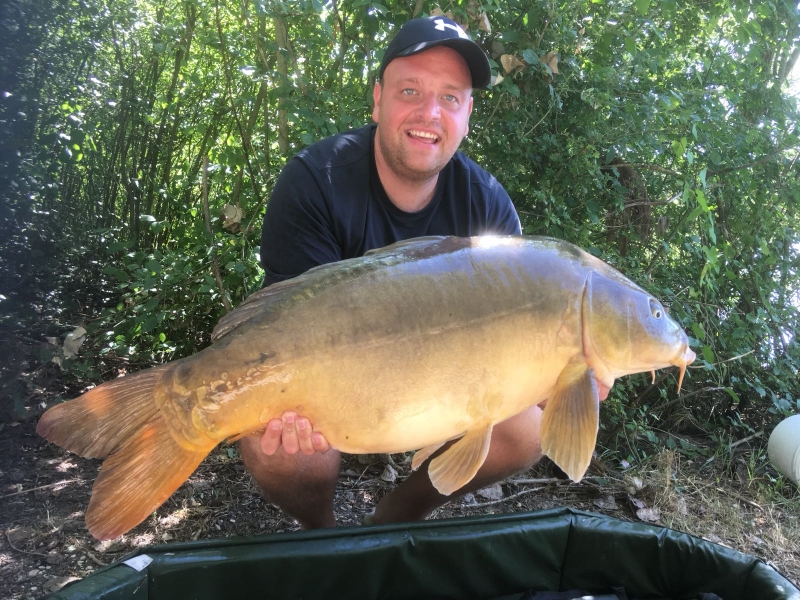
755, 163
645, 166
214, 265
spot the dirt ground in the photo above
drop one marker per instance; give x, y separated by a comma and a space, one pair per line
44, 492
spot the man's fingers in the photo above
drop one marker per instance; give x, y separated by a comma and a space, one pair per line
293, 434
271, 440
304, 436
289, 438
319, 442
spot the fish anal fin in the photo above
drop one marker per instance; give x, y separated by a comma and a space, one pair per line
138, 478
570, 420
96, 423
420, 456
456, 466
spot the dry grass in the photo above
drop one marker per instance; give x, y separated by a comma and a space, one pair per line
750, 511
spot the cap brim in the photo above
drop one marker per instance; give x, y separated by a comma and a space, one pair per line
476, 59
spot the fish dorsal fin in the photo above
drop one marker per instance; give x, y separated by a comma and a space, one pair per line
278, 294
419, 242
321, 277
456, 466
570, 420
257, 303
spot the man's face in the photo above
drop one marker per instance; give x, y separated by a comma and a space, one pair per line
422, 108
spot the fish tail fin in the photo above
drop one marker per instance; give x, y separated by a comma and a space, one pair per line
96, 423
138, 477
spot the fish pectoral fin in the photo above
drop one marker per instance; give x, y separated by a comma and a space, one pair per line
137, 478
570, 420
423, 454
457, 465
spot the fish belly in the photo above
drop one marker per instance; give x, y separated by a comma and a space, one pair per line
404, 394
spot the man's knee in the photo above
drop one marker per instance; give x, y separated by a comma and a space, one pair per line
516, 440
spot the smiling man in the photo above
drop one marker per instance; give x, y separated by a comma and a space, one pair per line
399, 178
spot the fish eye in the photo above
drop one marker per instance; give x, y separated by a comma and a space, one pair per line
656, 309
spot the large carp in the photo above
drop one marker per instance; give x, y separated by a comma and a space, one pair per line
408, 347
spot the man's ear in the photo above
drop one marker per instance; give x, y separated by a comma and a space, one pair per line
469, 113
376, 101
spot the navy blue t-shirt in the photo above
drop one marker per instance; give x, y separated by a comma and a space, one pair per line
328, 205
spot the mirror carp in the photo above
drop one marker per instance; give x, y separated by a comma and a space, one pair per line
408, 347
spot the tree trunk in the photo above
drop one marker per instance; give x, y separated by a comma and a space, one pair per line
282, 41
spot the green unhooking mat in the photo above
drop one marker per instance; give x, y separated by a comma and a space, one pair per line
493, 557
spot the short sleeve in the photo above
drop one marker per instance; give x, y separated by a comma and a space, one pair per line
502, 218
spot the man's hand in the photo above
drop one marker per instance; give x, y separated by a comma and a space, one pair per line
293, 433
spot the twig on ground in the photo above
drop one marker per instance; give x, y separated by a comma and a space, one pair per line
41, 487
538, 481
733, 445
739, 497
362, 474
96, 560
20, 550
747, 439
501, 500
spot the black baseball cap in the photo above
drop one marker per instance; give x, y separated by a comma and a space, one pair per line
421, 34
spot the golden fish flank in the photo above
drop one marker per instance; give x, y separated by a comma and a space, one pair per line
408, 347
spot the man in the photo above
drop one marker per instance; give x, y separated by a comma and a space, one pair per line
365, 189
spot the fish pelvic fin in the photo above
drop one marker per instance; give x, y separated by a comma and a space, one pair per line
139, 477
456, 466
98, 422
420, 456
571, 419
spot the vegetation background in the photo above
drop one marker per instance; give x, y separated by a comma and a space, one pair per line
141, 140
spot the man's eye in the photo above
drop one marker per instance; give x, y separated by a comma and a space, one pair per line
409, 91
450, 98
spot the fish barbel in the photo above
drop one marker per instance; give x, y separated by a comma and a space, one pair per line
405, 348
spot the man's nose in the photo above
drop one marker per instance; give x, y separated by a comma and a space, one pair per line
429, 107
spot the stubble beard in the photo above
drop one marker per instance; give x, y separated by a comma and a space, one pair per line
396, 158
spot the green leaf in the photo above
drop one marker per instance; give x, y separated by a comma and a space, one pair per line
642, 6
701, 200
733, 395
630, 44
118, 274
708, 355
699, 210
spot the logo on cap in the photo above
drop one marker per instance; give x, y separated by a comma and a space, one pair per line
440, 25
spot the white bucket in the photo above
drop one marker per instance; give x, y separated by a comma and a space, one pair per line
784, 448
